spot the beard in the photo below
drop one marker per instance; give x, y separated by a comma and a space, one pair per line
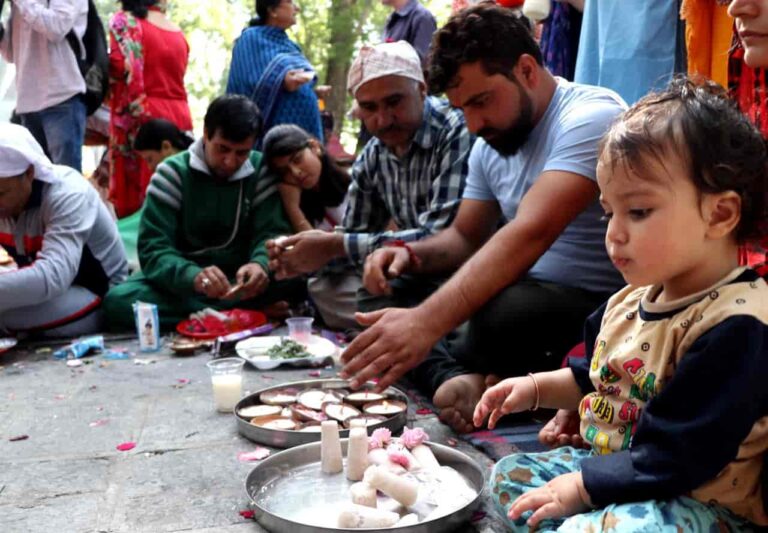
508, 141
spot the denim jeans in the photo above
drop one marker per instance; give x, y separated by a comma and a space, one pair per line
60, 130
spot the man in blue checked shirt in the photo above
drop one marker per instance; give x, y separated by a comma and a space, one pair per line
406, 184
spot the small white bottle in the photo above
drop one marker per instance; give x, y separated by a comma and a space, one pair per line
536, 10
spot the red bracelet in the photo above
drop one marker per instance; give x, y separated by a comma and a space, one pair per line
399, 243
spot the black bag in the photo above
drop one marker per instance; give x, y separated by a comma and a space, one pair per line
95, 66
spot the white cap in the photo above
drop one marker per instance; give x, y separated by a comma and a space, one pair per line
385, 59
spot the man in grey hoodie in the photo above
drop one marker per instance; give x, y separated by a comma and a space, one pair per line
65, 251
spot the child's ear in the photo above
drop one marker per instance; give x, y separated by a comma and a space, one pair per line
724, 213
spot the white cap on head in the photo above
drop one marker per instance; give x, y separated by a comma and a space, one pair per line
385, 59
19, 150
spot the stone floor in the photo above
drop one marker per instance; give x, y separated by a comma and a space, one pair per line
183, 474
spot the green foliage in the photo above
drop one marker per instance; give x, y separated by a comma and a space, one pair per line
211, 28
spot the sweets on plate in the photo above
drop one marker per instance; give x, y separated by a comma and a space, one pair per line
399, 488
360, 516
363, 494
330, 447
357, 454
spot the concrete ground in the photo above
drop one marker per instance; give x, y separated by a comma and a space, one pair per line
183, 474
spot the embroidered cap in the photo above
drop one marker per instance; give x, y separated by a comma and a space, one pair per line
385, 59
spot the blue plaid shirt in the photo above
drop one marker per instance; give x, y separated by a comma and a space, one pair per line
421, 191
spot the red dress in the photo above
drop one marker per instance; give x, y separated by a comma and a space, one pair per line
147, 66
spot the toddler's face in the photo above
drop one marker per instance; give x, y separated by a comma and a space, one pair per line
656, 232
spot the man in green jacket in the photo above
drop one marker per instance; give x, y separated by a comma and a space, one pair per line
207, 214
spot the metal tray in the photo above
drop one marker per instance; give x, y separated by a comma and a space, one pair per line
290, 483
287, 439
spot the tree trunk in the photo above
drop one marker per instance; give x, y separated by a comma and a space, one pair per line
346, 19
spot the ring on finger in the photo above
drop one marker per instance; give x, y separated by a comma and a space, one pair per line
206, 282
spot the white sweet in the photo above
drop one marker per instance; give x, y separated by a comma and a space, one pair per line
398, 488
359, 516
425, 457
408, 520
330, 448
357, 454
363, 494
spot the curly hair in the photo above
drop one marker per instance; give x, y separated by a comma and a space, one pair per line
485, 32
138, 8
694, 119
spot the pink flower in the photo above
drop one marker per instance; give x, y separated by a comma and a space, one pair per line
379, 438
413, 437
398, 457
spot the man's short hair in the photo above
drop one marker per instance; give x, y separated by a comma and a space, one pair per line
493, 35
234, 116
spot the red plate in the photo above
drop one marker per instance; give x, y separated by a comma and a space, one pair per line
211, 327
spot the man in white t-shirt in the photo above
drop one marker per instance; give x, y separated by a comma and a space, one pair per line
49, 84
528, 287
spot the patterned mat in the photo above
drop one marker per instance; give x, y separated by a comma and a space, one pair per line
512, 437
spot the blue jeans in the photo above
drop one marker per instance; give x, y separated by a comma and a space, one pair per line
60, 130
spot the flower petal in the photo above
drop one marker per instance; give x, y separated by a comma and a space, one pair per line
257, 454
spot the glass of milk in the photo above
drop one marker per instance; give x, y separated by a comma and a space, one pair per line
227, 380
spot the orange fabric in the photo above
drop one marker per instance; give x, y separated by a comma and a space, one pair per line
708, 33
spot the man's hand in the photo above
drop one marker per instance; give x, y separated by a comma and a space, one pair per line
382, 265
563, 496
212, 282
396, 342
253, 279
303, 253
562, 430
508, 396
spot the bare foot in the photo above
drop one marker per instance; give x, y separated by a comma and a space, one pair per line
456, 399
278, 310
562, 430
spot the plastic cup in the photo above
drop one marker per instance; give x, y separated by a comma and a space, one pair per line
227, 381
300, 329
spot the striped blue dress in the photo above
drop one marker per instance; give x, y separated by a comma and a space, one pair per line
260, 60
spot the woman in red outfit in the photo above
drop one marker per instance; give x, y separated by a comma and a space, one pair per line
148, 59
747, 75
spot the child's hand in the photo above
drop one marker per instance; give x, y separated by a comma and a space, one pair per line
508, 396
563, 496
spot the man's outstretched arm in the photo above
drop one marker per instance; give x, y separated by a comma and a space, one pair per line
399, 339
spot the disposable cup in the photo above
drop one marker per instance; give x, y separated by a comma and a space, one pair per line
300, 329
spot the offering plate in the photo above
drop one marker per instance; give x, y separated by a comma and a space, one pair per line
290, 494
279, 438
